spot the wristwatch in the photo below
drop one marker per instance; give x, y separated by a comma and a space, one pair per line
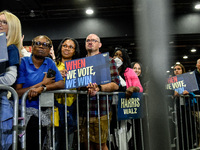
44, 87
99, 87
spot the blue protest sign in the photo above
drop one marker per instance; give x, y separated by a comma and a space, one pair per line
93, 69
4, 52
187, 81
129, 109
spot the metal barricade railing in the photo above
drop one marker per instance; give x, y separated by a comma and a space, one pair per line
187, 122
15, 115
46, 99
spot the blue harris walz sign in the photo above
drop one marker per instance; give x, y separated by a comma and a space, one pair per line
130, 109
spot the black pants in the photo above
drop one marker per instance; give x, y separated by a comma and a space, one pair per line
32, 134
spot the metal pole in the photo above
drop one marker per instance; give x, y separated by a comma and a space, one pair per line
152, 27
77, 110
88, 122
99, 121
23, 114
15, 115
108, 117
66, 127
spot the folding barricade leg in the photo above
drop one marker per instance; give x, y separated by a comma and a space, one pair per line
46, 100
15, 115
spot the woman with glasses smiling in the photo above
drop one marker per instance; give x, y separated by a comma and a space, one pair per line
11, 26
68, 49
32, 76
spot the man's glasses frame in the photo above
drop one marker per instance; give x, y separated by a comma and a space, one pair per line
92, 40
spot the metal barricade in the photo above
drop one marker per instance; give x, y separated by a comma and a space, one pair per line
15, 115
46, 99
187, 122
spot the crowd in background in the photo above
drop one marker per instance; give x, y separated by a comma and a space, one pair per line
27, 69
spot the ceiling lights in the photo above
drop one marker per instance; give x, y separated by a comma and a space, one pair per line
193, 50
197, 6
185, 57
89, 11
32, 14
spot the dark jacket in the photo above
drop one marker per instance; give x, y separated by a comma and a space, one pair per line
197, 74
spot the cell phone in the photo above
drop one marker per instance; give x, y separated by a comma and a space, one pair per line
51, 73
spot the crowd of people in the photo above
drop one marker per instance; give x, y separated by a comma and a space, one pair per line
27, 69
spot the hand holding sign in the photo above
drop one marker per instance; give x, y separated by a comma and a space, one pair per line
92, 89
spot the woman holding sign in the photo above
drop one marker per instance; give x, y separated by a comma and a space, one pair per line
181, 111
68, 49
10, 26
179, 69
129, 81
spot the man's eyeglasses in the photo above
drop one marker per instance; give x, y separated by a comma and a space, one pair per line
45, 45
3, 22
69, 47
92, 40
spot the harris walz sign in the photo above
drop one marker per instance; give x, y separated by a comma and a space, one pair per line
130, 109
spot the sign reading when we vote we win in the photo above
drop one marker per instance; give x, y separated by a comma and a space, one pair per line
93, 69
187, 81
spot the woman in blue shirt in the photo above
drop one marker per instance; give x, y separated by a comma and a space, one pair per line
32, 76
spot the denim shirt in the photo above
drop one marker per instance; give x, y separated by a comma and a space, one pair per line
6, 118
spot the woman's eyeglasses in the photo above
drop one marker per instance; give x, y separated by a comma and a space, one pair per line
3, 22
45, 45
69, 47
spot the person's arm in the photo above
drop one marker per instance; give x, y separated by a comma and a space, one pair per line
132, 81
54, 86
93, 88
37, 89
10, 76
109, 87
46, 81
25, 53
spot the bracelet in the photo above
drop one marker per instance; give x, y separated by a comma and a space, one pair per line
44, 87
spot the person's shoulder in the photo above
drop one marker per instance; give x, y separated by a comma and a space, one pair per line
49, 60
12, 46
130, 71
111, 59
25, 59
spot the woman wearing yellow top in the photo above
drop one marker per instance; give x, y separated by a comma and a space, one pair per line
68, 49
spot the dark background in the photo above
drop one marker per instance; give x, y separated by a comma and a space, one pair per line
113, 21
